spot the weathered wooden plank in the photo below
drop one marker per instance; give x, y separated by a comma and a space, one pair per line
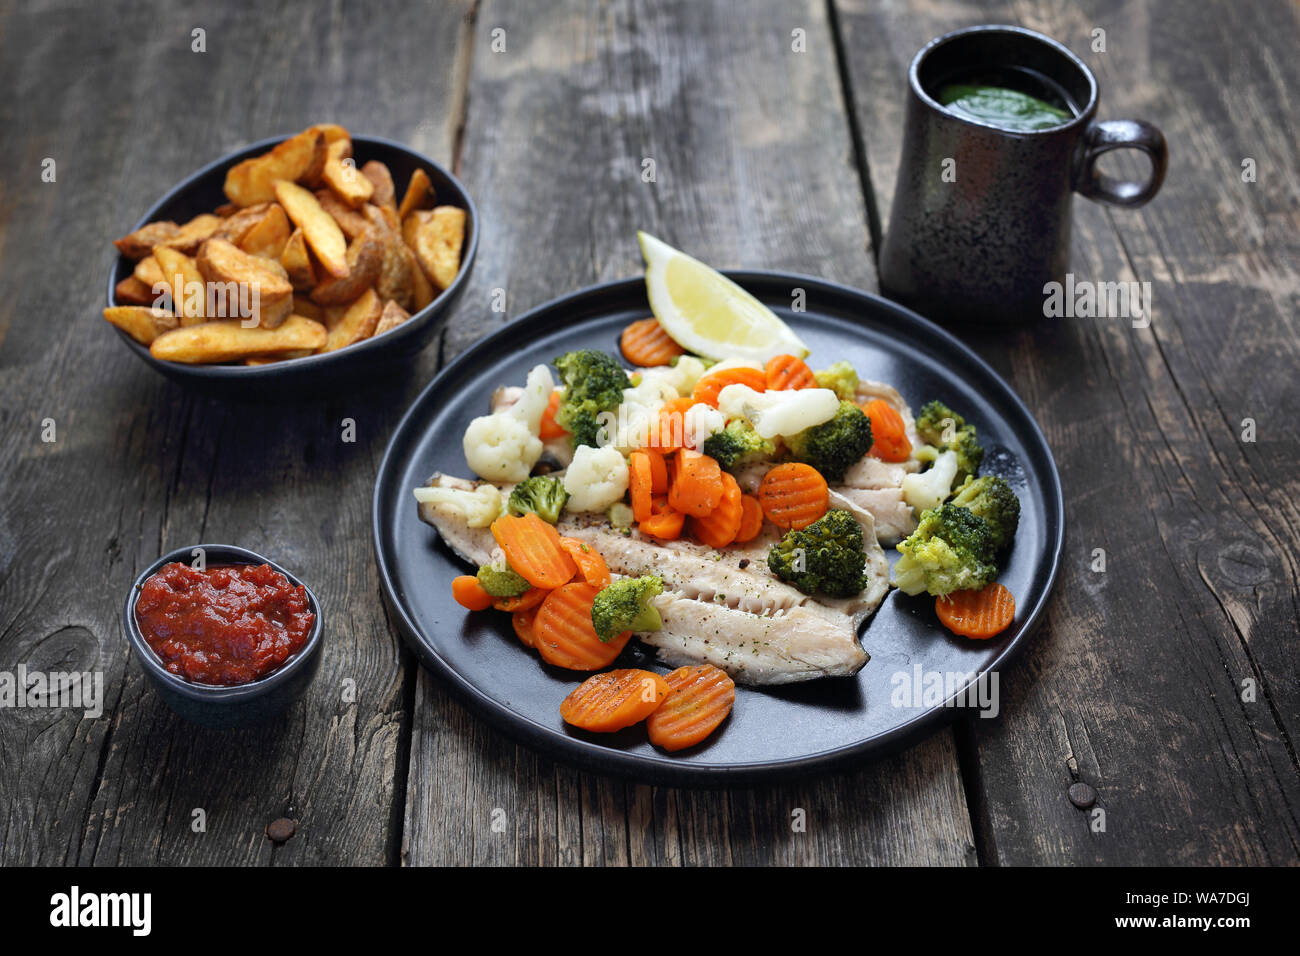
140, 467
1135, 685
753, 166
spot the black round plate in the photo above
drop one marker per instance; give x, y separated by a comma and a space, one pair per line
202, 192
772, 732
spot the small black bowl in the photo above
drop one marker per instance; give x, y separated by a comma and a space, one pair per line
202, 192
242, 704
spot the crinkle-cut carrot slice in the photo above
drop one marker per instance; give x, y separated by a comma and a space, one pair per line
793, 495
701, 699
977, 614
605, 703
564, 635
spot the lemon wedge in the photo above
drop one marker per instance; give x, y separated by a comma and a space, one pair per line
708, 314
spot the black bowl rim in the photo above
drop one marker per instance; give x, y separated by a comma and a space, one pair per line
216, 693
1083, 117
591, 756
314, 363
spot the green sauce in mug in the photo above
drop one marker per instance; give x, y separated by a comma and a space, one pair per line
1001, 107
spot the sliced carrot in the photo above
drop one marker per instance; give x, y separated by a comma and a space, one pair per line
522, 621
751, 519
532, 549
720, 526
640, 484
646, 343
979, 614
521, 602
708, 387
604, 703
658, 471
701, 699
793, 495
469, 594
788, 372
888, 431
664, 523
565, 636
550, 427
668, 436
591, 566
696, 485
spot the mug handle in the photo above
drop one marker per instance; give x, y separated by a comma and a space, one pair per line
1105, 135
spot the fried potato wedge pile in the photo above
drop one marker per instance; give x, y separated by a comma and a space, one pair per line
311, 254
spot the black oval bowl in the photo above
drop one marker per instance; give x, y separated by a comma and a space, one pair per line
202, 192
215, 706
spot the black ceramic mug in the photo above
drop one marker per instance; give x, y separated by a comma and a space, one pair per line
981, 215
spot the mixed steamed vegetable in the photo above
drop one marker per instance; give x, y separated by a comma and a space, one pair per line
719, 449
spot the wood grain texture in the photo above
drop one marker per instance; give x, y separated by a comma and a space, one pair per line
753, 167
140, 467
1135, 683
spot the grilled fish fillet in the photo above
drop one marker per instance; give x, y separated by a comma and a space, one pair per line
722, 608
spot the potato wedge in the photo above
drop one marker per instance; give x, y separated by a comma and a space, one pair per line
268, 236
134, 292
297, 262
191, 235
142, 323
256, 281
333, 132
396, 281
354, 322
381, 178
352, 221
228, 341
392, 316
418, 195
365, 257
189, 292
438, 242
148, 271
318, 227
422, 290
342, 176
138, 244
298, 157
236, 227
283, 356
307, 308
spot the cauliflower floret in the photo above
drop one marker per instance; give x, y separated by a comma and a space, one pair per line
596, 479
929, 488
682, 376
501, 448
701, 421
504, 446
779, 413
537, 395
480, 506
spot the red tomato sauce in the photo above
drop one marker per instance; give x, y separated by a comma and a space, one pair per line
225, 625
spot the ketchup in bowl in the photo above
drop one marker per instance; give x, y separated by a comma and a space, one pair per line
224, 625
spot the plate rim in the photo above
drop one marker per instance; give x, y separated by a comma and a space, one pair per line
658, 769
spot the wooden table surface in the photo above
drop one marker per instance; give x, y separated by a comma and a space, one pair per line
1169, 682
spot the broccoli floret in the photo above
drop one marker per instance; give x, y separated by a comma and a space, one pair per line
841, 378
934, 420
952, 549
543, 495
593, 383
833, 446
993, 500
625, 606
501, 580
737, 444
940, 426
826, 557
